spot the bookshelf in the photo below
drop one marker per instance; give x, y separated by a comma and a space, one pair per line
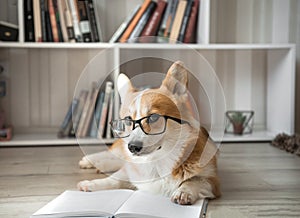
255, 73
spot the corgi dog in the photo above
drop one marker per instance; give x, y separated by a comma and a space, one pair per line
161, 147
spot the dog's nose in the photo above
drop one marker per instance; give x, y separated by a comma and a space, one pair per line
135, 146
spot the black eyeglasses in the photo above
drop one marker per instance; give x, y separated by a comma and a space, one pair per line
153, 124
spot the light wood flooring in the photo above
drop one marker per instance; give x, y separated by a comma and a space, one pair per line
257, 180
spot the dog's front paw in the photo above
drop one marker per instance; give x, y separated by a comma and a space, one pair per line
86, 186
184, 196
84, 163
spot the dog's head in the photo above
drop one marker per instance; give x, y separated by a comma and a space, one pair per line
154, 120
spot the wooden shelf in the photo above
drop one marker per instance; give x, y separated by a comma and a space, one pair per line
261, 135
51, 139
145, 46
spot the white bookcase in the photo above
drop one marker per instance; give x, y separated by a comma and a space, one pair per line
256, 73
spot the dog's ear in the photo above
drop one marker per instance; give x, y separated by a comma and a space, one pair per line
176, 79
124, 85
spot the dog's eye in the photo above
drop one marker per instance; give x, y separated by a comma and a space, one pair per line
128, 121
153, 118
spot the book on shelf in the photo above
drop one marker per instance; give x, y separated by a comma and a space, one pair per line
142, 22
134, 22
104, 109
67, 123
49, 32
43, 20
75, 20
57, 19
110, 115
191, 29
37, 20
90, 109
77, 114
97, 16
92, 20
177, 21
170, 18
116, 36
68, 21
183, 27
53, 21
152, 26
28, 21
163, 24
84, 22
61, 21
118, 203
81, 132
61, 4
89, 113
97, 115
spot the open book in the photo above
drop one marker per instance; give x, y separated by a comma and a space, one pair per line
116, 203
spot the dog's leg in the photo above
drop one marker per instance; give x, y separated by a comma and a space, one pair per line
110, 160
118, 180
104, 161
193, 189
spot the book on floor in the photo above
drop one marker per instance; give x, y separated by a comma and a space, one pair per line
117, 203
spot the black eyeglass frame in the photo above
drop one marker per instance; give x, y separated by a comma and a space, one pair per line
139, 121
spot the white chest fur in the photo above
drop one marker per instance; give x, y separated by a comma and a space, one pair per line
151, 178
163, 186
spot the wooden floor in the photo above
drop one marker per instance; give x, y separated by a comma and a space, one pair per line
257, 180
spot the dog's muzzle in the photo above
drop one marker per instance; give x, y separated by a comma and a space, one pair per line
135, 146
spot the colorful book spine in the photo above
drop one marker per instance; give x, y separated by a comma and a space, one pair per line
110, 115
102, 121
28, 21
79, 132
177, 21
163, 24
75, 20
84, 23
91, 107
48, 23
67, 122
97, 115
53, 21
93, 20
58, 24
76, 116
37, 20
134, 22
152, 26
43, 20
97, 15
170, 18
185, 20
142, 22
191, 26
61, 10
69, 23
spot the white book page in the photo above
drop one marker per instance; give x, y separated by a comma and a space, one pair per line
142, 204
104, 202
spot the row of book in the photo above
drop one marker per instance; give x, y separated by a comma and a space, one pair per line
61, 21
90, 113
171, 21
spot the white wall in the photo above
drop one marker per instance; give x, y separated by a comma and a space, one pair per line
260, 21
